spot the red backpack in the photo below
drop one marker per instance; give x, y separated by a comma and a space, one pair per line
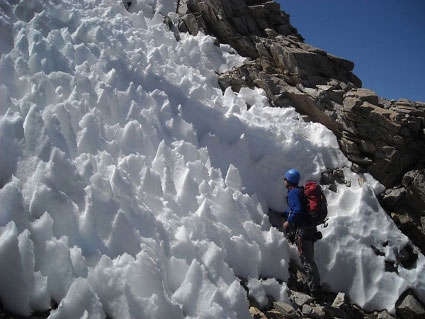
314, 202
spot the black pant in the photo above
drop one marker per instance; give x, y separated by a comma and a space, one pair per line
304, 239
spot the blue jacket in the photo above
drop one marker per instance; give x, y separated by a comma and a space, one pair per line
295, 211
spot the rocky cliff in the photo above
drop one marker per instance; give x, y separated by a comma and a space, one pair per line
383, 137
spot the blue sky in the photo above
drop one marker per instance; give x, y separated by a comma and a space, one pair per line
384, 38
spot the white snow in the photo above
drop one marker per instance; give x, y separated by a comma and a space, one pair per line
133, 187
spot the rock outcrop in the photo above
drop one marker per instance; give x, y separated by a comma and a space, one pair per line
383, 137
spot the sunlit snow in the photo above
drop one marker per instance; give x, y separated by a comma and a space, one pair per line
133, 187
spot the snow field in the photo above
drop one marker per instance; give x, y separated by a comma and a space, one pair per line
133, 187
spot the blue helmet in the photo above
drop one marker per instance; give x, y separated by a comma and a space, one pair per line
293, 176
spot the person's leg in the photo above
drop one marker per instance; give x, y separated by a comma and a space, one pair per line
310, 267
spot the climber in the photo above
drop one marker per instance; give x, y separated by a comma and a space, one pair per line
305, 232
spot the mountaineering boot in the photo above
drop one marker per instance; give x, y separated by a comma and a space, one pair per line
317, 294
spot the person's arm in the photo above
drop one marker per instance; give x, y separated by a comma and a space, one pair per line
295, 206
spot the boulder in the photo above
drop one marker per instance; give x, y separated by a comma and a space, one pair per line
285, 309
414, 183
408, 307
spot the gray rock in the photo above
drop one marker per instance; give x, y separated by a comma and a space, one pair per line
392, 196
339, 300
408, 307
414, 182
285, 309
299, 298
316, 311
